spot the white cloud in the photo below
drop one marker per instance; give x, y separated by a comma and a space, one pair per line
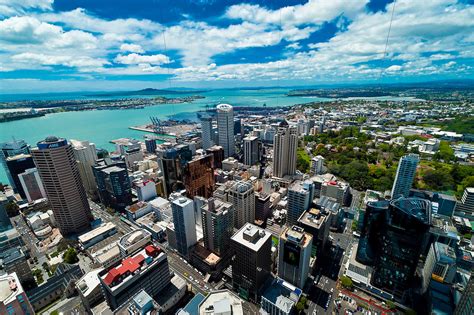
132, 48
17, 7
135, 59
394, 68
55, 60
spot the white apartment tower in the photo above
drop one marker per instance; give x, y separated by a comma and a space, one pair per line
242, 196
86, 156
284, 150
225, 125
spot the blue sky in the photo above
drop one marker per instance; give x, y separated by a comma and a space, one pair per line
65, 45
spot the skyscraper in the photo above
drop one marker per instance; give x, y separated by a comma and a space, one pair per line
184, 224
57, 167
16, 165
113, 183
32, 185
251, 154
251, 264
285, 144
86, 156
294, 255
299, 199
225, 125
242, 197
406, 172
465, 206
206, 131
217, 225
12, 148
5, 223
199, 176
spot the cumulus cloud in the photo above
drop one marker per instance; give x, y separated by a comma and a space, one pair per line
132, 48
17, 7
135, 59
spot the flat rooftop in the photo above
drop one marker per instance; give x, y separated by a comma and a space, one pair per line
297, 235
10, 288
251, 236
102, 229
221, 302
282, 294
313, 218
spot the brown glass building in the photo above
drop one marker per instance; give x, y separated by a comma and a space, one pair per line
199, 177
57, 167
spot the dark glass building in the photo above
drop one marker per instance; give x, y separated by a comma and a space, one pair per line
113, 183
16, 165
393, 237
173, 162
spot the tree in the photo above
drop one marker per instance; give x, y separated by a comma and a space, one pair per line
70, 256
438, 179
12, 208
346, 282
391, 305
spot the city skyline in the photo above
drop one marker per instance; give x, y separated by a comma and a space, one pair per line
87, 45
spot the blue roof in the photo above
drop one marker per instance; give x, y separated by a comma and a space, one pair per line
192, 308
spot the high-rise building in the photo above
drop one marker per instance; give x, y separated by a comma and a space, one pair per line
294, 255
285, 144
13, 299
57, 167
440, 265
217, 225
317, 164
466, 303
338, 190
113, 183
5, 223
12, 148
150, 144
262, 206
16, 165
392, 240
218, 154
251, 264
32, 185
300, 197
184, 224
406, 172
316, 223
86, 156
465, 206
172, 160
199, 176
15, 260
147, 270
225, 125
251, 150
206, 131
242, 197
132, 155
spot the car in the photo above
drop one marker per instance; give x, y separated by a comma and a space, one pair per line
332, 290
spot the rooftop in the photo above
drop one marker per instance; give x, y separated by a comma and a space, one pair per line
221, 302
251, 236
416, 207
282, 294
192, 308
89, 281
297, 235
313, 218
103, 228
10, 287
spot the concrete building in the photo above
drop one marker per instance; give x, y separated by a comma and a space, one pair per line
184, 224
405, 175
57, 167
16, 165
89, 289
465, 207
338, 190
217, 225
32, 185
150, 145
14, 260
295, 247
262, 206
280, 298
316, 223
134, 241
86, 156
138, 210
299, 200
13, 299
440, 265
5, 223
251, 264
206, 132
242, 197
148, 270
317, 164
466, 303
146, 189
132, 155
251, 150
225, 125
218, 155
12, 148
199, 176
221, 302
98, 234
285, 144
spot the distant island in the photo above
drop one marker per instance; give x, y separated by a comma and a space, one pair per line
150, 91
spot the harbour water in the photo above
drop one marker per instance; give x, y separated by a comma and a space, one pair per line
101, 126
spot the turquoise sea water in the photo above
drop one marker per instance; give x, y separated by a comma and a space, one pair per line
101, 126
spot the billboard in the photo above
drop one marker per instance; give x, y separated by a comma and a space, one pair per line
291, 254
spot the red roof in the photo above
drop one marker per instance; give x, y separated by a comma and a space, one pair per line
151, 250
333, 182
130, 264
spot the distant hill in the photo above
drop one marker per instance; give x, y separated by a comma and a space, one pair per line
151, 91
